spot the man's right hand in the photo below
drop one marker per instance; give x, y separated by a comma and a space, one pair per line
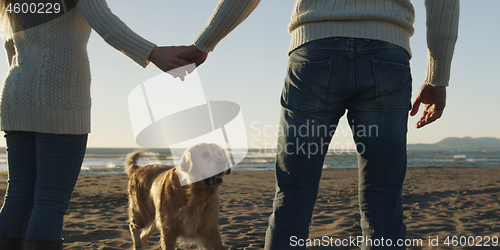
434, 100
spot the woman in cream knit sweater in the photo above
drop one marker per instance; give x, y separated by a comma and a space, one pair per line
45, 109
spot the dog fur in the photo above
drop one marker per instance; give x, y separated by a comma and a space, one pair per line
188, 213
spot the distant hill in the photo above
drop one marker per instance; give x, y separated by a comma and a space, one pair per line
455, 142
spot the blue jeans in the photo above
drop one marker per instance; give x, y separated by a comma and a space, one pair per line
370, 79
43, 170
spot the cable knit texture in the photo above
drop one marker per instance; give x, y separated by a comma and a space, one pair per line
384, 20
47, 87
227, 15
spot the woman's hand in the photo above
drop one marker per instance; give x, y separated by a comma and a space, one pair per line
166, 60
192, 54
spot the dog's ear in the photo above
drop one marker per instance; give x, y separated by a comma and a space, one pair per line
184, 169
186, 163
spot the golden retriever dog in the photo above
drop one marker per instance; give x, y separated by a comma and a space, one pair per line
181, 212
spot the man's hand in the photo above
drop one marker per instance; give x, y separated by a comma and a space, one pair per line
434, 100
192, 54
165, 59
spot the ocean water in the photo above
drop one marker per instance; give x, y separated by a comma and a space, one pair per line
110, 160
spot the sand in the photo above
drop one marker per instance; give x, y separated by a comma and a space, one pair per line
438, 202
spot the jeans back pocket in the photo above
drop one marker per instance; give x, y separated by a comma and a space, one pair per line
393, 85
306, 86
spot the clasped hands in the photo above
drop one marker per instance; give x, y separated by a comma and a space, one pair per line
172, 59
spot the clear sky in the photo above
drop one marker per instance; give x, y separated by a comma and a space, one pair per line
248, 67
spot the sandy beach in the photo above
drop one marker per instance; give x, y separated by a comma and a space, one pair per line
438, 202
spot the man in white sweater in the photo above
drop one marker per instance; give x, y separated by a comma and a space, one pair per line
347, 55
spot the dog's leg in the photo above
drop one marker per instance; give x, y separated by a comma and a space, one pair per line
168, 238
146, 233
212, 240
167, 241
136, 237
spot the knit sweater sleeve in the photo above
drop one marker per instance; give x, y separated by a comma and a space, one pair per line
115, 32
10, 51
227, 15
442, 33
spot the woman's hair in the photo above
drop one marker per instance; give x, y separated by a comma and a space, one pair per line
6, 19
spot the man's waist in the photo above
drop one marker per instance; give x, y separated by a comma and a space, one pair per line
373, 30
